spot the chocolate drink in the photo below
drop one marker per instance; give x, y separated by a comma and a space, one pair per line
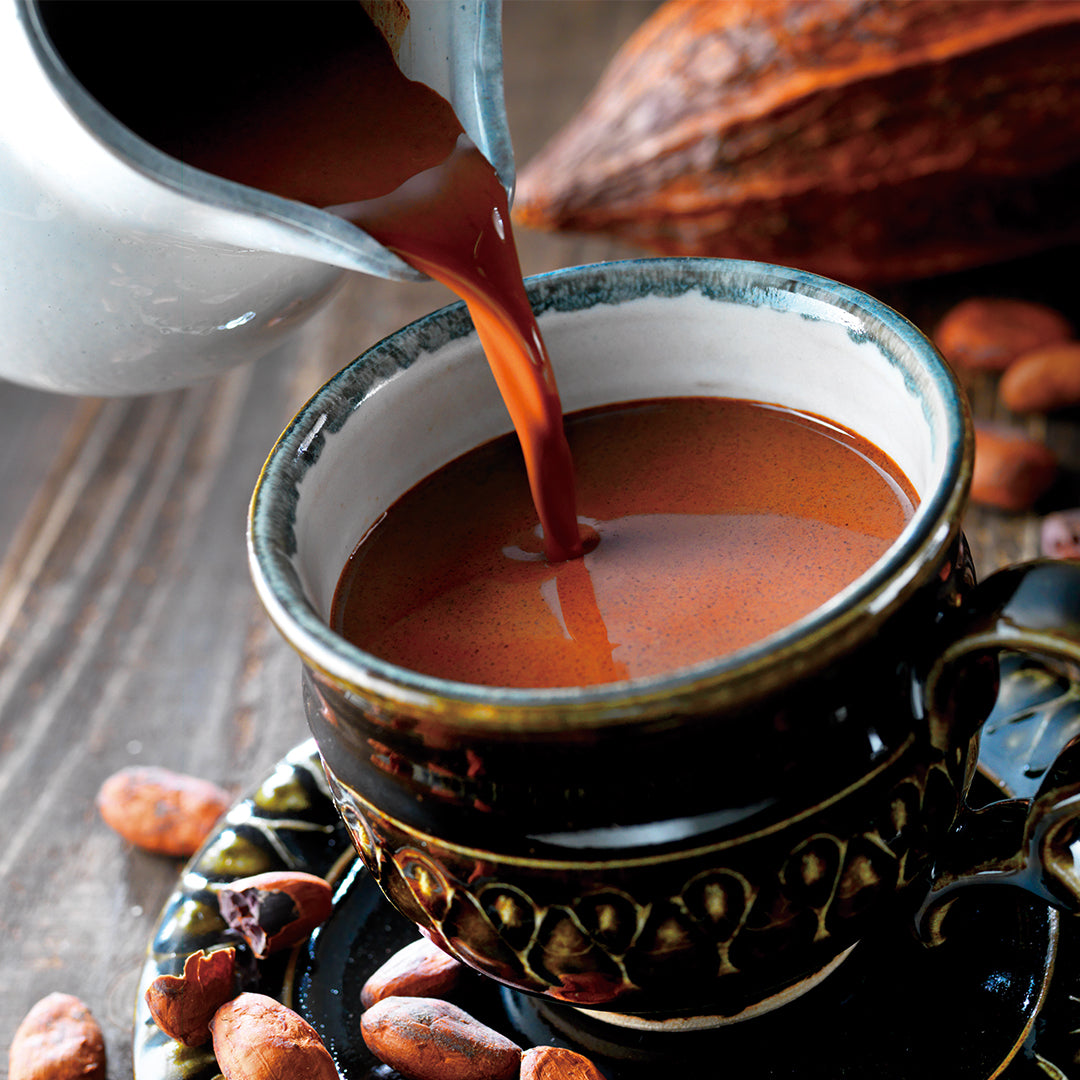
719, 521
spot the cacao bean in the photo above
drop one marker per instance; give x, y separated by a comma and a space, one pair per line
58, 1039
258, 1038
1059, 535
791, 132
1011, 470
183, 1005
431, 1039
1043, 380
557, 1063
160, 810
420, 969
277, 909
989, 333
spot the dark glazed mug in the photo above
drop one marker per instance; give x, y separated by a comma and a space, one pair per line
712, 842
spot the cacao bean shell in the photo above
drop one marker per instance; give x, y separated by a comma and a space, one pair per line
183, 1005
869, 140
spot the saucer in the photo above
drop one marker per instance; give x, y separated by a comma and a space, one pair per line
893, 1010
989, 1002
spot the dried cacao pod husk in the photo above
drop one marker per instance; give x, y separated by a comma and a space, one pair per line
870, 140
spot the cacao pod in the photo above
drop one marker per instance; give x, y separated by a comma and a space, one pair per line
869, 140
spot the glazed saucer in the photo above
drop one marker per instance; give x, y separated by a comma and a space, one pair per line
1000, 998
893, 1010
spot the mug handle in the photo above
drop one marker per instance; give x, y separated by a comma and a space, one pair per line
1031, 608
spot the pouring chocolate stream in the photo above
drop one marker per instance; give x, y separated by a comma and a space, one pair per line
352, 134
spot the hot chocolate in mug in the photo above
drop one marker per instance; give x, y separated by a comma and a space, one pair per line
713, 840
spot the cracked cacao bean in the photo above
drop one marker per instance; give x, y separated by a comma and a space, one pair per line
277, 909
183, 1005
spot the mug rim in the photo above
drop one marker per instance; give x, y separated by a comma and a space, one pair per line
796, 650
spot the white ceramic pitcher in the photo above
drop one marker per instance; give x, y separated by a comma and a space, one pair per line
123, 271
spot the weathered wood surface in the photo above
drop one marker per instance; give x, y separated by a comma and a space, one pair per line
129, 632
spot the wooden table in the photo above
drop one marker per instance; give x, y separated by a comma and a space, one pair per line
129, 631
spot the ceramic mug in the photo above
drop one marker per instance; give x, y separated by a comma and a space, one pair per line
714, 841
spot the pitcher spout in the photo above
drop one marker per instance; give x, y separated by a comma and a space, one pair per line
131, 270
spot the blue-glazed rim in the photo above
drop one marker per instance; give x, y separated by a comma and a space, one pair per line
805, 646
